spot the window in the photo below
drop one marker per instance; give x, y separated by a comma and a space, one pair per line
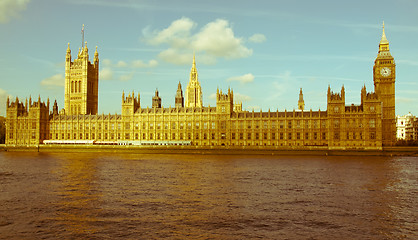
233, 136
336, 136
241, 136
298, 136
265, 136
281, 136
336, 123
257, 136
324, 136
249, 136
173, 137
127, 136
336, 109
289, 136
289, 124
127, 126
273, 136
372, 123
315, 135
306, 136
372, 109
372, 135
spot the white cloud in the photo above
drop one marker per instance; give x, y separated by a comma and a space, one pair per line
241, 97
126, 77
11, 8
121, 64
106, 74
106, 62
257, 38
246, 78
3, 99
217, 39
57, 80
212, 96
142, 64
176, 34
214, 40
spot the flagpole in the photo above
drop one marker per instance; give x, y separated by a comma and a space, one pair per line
82, 37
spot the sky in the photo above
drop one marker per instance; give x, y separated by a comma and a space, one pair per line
264, 50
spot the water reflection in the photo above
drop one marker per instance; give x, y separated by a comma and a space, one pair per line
78, 197
96, 196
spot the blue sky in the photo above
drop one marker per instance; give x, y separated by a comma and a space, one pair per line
264, 50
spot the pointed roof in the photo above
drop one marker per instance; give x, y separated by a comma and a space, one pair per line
384, 40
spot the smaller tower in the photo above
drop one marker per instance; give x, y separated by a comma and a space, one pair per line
179, 100
301, 103
156, 100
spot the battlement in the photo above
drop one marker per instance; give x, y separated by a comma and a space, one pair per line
130, 98
340, 97
225, 97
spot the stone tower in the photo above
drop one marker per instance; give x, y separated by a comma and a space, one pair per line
194, 91
156, 100
301, 103
81, 83
179, 100
384, 84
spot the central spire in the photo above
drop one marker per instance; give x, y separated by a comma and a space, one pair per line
193, 90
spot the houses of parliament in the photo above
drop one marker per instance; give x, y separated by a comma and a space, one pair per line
370, 125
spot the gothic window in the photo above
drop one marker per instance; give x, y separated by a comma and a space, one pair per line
372, 123
289, 136
373, 135
173, 136
127, 126
306, 136
336, 123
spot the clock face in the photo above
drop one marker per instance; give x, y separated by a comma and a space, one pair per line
385, 72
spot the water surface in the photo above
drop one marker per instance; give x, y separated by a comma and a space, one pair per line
134, 196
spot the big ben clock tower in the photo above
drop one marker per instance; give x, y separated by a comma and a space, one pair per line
384, 85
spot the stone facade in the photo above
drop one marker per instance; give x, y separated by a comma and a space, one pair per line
341, 126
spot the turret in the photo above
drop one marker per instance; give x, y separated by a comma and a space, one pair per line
301, 102
179, 100
156, 100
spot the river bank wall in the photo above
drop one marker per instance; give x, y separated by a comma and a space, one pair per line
319, 151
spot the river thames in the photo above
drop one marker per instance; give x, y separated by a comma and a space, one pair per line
144, 196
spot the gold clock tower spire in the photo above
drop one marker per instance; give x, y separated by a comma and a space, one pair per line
384, 84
